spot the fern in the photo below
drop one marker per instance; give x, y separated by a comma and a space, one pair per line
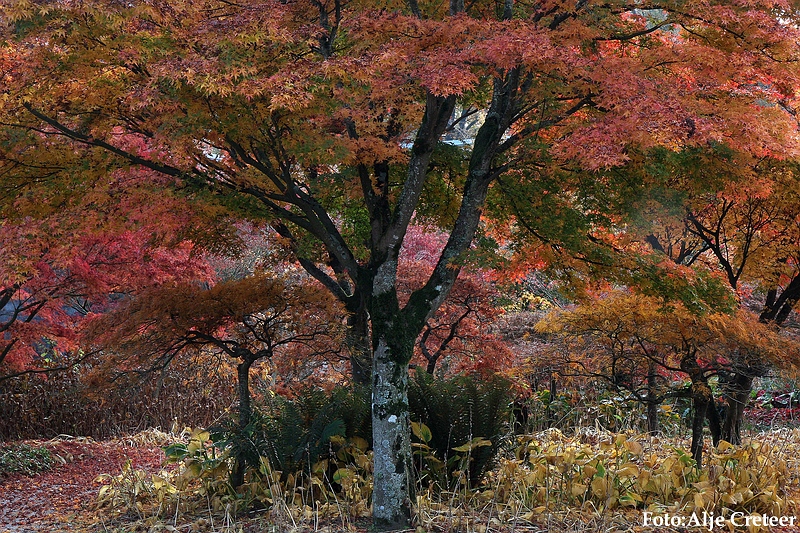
457, 411
294, 434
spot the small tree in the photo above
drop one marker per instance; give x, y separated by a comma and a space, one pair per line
53, 275
247, 320
739, 216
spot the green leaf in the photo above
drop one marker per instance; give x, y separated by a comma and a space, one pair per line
477, 442
176, 452
336, 427
341, 474
421, 431
601, 470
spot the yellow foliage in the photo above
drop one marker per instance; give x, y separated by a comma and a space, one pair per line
616, 472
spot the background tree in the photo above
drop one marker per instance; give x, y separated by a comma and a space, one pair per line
462, 335
314, 117
651, 348
738, 216
48, 287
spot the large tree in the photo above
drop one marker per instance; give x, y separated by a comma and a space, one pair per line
328, 119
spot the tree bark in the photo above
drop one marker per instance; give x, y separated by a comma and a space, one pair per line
359, 345
736, 399
701, 396
245, 414
700, 402
714, 422
652, 401
393, 480
245, 409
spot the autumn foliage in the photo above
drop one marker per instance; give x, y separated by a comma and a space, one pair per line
328, 120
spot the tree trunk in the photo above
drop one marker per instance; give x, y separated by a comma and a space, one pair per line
359, 346
736, 398
245, 414
549, 416
431, 366
652, 417
714, 422
700, 401
245, 409
652, 401
701, 396
393, 481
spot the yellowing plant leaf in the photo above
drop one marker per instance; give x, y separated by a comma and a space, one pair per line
634, 447
578, 489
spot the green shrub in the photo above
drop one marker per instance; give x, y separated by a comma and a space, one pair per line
467, 418
24, 459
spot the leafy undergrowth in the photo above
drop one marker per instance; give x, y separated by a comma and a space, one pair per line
594, 481
777, 417
24, 459
550, 481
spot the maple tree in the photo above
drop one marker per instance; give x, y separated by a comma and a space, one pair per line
247, 320
738, 216
49, 288
649, 347
325, 119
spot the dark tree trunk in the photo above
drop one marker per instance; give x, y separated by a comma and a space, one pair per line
701, 397
245, 409
776, 310
714, 422
736, 398
700, 400
431, 366
778, 307
245, 414
652, 401
553, 391
360, 346
653, 427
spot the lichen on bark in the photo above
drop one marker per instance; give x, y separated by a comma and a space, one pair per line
393, 482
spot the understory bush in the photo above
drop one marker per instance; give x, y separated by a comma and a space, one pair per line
548, 472
309, 459
466, 418
24, 459
295, 434
609, 471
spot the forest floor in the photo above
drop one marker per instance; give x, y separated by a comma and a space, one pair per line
63, 499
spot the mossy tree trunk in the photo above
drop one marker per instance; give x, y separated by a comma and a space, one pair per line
393, 474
